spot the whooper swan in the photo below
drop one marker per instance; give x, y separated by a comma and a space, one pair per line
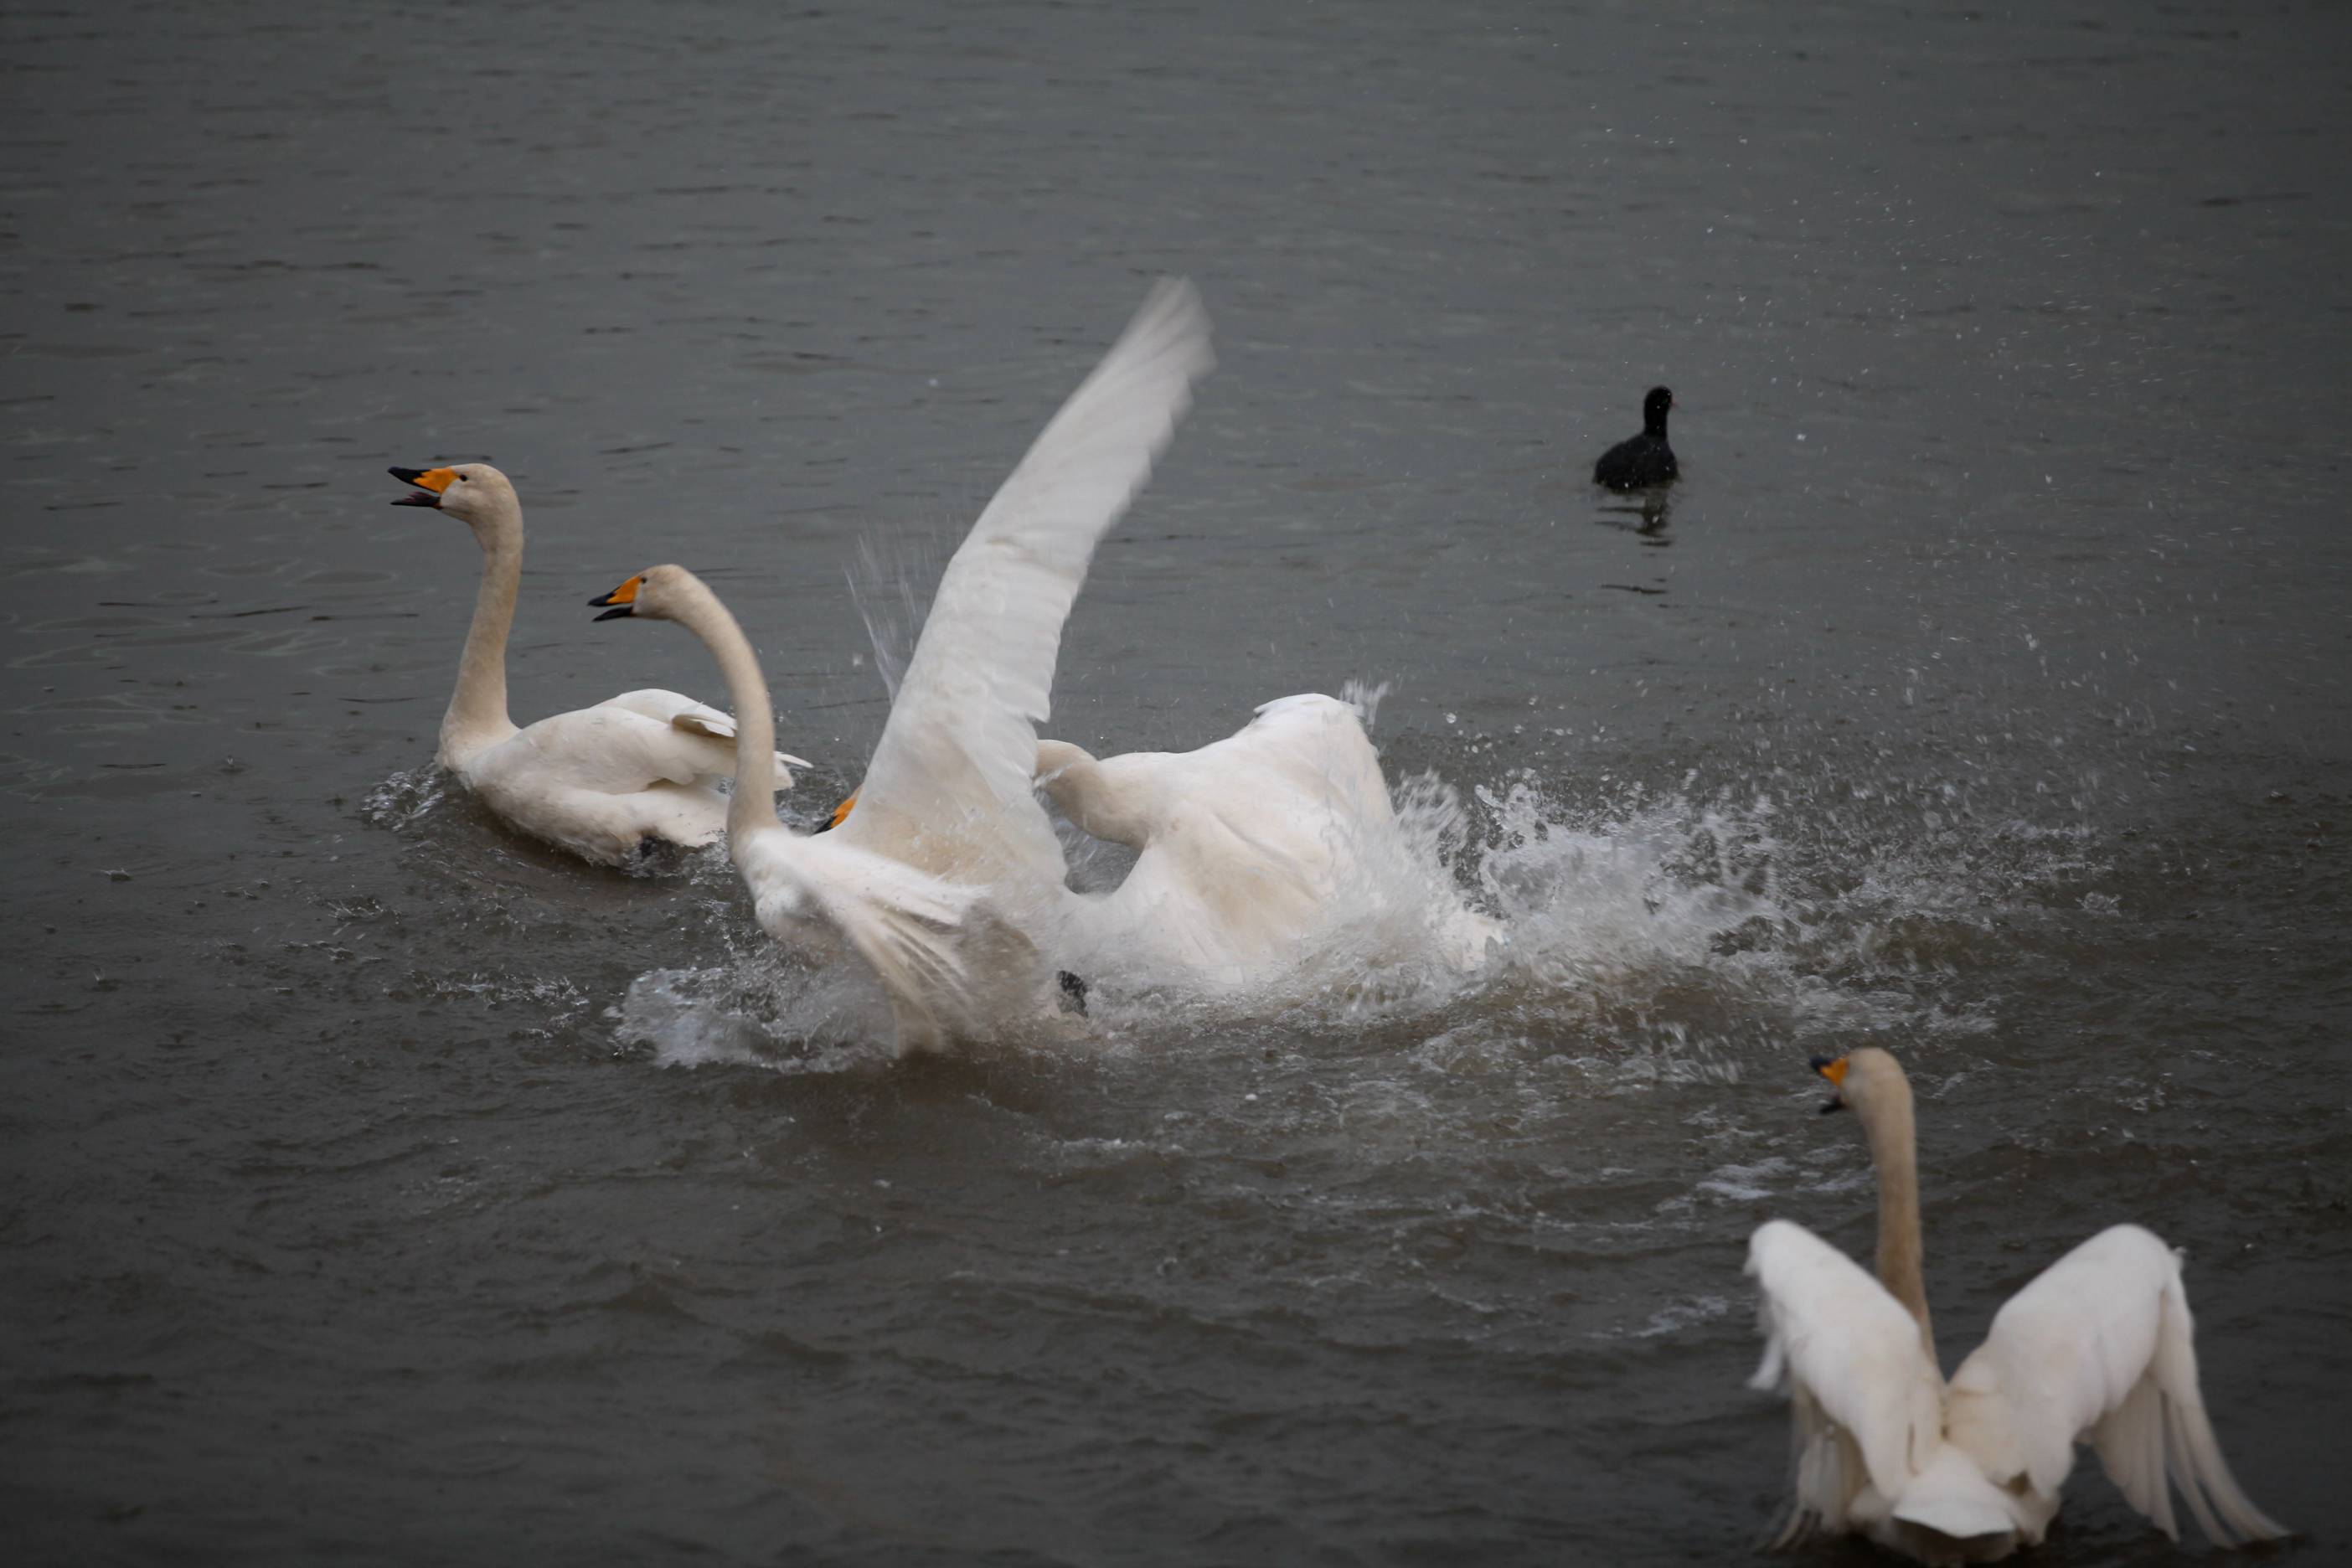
947, 877
601, 781
1249, 851
2099, 1347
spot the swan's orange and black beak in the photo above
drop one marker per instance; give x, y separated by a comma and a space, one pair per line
841, 813
429, 483
1834, 1070
623, 600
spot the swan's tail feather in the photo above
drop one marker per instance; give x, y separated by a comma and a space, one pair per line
2193, 1454
1951, 1497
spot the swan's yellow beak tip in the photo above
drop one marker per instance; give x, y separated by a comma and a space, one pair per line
1833, 1070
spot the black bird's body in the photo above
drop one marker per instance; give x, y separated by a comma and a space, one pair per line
1646, 459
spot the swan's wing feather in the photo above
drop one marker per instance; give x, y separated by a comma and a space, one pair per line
1867, 1401
662, 706
696, 722
606, 749
950, 781
2101, 1346
1276, 811
1319, 744
907, 924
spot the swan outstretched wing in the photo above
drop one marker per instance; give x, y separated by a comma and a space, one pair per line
2101, 1347
948, 786
1867, 1402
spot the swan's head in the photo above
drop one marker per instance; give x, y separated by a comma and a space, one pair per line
475, 493
1654, 405
840, 813
1863, 1079
656, 594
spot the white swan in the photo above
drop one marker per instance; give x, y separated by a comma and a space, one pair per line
599, 780
2100, 1347
947, 877
1248, 850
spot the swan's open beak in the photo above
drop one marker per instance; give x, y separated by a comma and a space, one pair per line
840, 813
430, 483
1835, 1072
622, 599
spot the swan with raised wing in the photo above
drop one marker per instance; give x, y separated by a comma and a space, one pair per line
947, 877
2099, 1348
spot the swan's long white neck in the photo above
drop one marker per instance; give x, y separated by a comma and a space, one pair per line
477, 710
1110, 809
1888, 1119
752, 806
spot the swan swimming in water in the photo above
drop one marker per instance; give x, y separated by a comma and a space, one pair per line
600, 781
942, 870
947, 877
2100, 1346
1248, 850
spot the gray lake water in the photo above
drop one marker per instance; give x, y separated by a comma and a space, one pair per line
382, 1187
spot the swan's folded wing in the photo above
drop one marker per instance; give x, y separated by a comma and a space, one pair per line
953, 765
697, 722
1867, 1402
2101, 1345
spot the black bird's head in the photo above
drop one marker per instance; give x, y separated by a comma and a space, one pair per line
1654, 409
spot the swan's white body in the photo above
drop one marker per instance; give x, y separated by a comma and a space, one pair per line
599, 780
947, 877
2100, 1348
1249, 849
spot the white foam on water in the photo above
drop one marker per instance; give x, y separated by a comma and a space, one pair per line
759, 1011
1652, 940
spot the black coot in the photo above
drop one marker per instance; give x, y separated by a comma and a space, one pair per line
1646, 459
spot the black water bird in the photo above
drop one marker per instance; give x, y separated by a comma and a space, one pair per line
1646, 459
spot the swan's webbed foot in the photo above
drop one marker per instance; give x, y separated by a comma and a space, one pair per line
656, 857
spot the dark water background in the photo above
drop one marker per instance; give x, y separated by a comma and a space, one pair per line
1983, 694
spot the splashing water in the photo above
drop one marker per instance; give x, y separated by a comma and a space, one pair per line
761, 1009
882, 586
1669, 937
405, 799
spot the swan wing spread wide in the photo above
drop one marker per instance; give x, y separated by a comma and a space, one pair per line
2101, 1346
948, 785
1867, 1403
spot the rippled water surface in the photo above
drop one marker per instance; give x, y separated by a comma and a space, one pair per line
380, 1186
